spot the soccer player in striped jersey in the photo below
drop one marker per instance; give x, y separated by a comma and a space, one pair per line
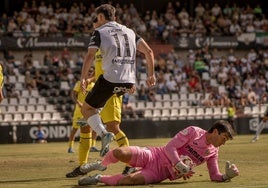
118, 45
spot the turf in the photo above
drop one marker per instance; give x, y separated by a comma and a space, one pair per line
45, 165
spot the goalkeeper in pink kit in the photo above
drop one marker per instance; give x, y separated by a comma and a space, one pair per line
190, 147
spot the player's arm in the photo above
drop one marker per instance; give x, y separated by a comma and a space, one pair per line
91, 79
89, 58
178, 141
175, 144
74, 95
144, 48
88, 61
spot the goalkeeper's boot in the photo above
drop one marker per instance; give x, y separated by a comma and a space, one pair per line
85, 168
76, 172
129, 170
105, 143
90, 180
81, 122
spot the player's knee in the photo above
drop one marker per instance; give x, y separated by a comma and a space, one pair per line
121, 153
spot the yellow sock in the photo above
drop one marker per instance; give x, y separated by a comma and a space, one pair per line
90, 139
84, 145
93, 142
71, 144
121, 139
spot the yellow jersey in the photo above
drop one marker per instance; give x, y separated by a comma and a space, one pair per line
1, 77
98, 64
80, 95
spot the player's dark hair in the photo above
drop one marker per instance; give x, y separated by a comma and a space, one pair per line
222, 126
107, 10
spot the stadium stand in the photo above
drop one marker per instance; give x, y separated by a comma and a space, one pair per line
50, 101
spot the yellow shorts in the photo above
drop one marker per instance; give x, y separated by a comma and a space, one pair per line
76, 116
110, 112
112, 109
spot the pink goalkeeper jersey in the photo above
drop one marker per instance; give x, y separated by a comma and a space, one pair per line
190, 146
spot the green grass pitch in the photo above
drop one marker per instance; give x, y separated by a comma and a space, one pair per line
45, 165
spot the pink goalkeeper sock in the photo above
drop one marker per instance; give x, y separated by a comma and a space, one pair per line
111, 179
109, 158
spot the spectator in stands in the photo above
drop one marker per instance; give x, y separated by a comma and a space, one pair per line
142, 93
47, 59
235, 28
161, 86
127, 107
199, 10
250, 79
30, 82
55, 60
172, 85
261, 80
206, 100
9, 62
199, 66
151, 95
252, 97
216, 10
250, 28
41, 82
79, 59
259, 90
227, 11
9, 88
65, 57
264, 98
222, 76
232, 90
194, 83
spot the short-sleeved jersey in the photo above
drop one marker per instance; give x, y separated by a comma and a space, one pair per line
191, 147
98, 64
117, 45
80, 96
112, 109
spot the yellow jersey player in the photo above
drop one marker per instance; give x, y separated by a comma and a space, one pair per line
78, 97
86, 133
1, 83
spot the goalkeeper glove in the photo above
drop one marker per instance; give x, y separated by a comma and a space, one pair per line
231, 171
182, 168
